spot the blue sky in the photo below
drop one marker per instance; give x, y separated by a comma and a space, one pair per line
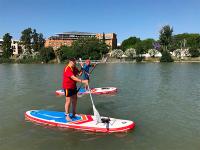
141, 18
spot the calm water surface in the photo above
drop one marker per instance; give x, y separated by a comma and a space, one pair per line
162, 99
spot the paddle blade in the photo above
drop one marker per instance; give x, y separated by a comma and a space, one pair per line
96, 114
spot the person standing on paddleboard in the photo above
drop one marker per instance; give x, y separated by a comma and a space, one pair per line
69, 86
86, 70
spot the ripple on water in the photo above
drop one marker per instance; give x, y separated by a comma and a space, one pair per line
162, 99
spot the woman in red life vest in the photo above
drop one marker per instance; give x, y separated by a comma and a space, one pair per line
69, 86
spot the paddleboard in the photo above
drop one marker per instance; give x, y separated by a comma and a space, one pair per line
80, 122
103, 90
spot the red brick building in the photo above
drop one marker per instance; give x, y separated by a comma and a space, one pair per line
67, 38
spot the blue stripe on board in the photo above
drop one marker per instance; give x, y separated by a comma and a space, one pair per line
53, 115
82, 90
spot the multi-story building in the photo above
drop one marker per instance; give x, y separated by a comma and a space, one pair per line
14, 45
110, 39
67, 38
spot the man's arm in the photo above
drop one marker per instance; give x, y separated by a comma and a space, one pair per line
79, 80
81, 64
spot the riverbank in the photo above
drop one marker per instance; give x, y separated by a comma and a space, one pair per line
110, 60
154, 60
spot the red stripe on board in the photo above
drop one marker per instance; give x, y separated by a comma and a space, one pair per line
97, 93
93, 129
85, 118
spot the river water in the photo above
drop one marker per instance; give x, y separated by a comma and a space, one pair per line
162, 99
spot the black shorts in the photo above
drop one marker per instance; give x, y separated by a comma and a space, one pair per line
70, 92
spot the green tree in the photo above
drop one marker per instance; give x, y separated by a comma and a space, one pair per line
130, 43
66, 52
194, 52
47, 54
166, 57
26, 39
6, 46
147, 44
165, 40
186, 40
79, 47
140, 49
35, 39
89, 48
103, 48
41, 41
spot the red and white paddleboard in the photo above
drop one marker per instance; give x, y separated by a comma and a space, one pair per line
80, 122
103, 90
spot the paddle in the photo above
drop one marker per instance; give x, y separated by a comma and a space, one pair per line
81, 83
93, 69
96, 113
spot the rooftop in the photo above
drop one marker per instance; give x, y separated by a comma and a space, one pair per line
71, 35
76, 33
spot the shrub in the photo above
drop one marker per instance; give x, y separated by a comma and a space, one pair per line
166, 57
194, 52
47, 54
5, 60
117, 53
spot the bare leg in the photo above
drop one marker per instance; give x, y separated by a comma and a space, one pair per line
86, 86
74, 103
67, 107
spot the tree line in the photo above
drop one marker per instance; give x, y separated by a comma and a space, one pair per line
31, 44
33, 49
166, 43
84, 48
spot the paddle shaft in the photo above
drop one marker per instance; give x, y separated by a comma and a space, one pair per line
93, 69
96, 113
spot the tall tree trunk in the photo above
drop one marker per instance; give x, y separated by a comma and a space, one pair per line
57, 53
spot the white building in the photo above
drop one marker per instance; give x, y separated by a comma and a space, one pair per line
14, 45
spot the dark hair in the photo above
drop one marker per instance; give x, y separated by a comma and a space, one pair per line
72, 59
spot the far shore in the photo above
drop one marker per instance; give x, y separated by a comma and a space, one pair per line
150, 62
109, 61
155, 60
